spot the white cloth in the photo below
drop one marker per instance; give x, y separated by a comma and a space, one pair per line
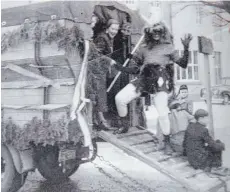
128, 93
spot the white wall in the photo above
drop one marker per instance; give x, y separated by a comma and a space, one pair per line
184, 21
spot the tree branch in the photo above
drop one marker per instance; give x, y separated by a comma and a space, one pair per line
220, 17
184, 7
224, 5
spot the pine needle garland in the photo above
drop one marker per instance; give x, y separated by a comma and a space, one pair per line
40, 132
51, 31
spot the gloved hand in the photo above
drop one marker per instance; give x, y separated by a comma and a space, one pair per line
130, 70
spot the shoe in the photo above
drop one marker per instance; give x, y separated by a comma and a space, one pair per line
103, 123
168, 149
123, 128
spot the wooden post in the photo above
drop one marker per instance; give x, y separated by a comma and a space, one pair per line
209, 93
206, 47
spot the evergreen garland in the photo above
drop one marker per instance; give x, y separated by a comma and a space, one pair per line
39, 132
51, 31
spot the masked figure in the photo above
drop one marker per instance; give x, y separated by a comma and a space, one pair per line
153, 63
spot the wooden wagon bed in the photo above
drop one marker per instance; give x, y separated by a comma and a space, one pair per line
142, 145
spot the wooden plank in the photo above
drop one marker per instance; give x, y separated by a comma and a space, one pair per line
147, 151
37, 107
146, 147
138, 132
34, 84
27, 73
14, 106
157, 155
146, 159
143, 142
170, 157
180, 165
194, 173
48, 107
138, 139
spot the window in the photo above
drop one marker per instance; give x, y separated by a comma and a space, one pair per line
191, 73
217, 66
129, 2
155, 3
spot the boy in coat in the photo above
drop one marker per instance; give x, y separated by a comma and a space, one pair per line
202, 150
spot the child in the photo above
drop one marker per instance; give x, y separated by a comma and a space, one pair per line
179, 121
202, 151
182, 97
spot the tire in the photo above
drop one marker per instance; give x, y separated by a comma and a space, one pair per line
226, 99
49, 168
12, 181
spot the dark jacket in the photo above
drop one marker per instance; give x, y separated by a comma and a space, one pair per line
104, 44
198, 145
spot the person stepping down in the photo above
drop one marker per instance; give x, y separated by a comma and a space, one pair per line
154, 63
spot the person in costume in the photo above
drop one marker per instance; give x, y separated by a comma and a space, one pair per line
153, 63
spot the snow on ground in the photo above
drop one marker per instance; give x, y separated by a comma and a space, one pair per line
88, 178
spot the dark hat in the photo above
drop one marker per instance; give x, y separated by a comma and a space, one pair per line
200, 113
183, 87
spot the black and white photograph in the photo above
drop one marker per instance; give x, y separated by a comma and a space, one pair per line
115, 96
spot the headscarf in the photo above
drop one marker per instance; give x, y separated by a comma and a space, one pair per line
110, 22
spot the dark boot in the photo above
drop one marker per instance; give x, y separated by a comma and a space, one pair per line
123, 126
168, 149
103, 123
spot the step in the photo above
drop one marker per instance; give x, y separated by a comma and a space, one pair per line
174, 166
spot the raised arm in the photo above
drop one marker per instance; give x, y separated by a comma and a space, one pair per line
182, 61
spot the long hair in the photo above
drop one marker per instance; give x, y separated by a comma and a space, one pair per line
166, 36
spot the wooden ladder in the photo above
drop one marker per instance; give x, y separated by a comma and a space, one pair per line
142, 145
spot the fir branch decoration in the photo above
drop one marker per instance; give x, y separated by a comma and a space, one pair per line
46, 33
72, 39
40, 132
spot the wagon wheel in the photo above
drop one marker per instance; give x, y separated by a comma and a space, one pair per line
49, 167
11, 180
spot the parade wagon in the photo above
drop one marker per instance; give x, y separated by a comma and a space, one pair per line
46, 115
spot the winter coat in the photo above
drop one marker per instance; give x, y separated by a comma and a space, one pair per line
198, 145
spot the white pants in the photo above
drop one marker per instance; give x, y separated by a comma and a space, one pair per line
128, 93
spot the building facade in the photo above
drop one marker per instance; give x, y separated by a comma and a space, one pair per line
185, 17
